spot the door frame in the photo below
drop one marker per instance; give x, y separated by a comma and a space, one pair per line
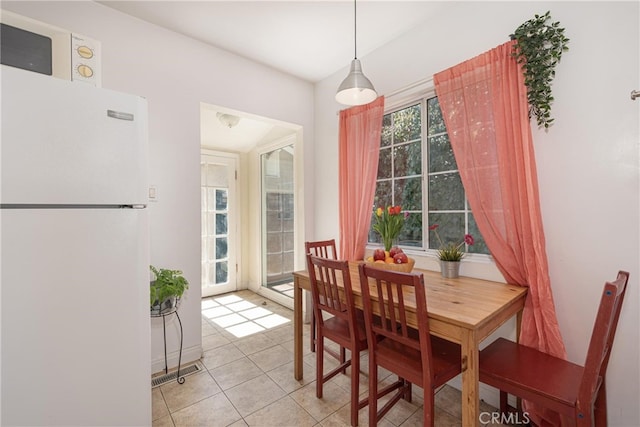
232, 160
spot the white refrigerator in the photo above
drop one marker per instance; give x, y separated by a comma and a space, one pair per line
75, 326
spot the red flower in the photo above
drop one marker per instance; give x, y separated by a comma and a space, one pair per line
451, 251
394, 210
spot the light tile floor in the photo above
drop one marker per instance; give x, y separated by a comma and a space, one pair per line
247, 378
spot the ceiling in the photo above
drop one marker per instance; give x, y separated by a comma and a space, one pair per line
307, 39
241, 137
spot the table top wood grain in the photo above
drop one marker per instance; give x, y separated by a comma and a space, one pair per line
465, 301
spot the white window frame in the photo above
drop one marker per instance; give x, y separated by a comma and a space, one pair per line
420, 92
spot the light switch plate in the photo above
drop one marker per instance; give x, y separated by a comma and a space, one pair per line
153, 194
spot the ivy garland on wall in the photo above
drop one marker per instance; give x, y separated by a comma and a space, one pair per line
539, 47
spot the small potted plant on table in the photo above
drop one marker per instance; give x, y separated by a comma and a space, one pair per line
451, 253
166, 290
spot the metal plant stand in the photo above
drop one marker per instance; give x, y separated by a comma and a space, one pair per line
164, 313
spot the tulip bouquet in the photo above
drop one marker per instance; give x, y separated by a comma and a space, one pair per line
389, 222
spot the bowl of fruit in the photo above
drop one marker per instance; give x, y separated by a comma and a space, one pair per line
394, 259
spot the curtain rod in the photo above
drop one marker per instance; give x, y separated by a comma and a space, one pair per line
409, 87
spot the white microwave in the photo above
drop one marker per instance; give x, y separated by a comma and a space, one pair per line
42, 48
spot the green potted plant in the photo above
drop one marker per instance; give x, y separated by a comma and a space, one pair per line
451, 253
166, 290
538, 48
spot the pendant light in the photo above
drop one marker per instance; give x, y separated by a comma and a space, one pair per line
355, 89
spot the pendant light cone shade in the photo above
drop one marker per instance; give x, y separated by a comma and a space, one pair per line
356, 89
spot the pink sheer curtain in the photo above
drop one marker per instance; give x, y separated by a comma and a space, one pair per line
484, 104
359, 146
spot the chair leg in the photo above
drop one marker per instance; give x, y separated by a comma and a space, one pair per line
355, 387
373, 392
504, 402
312, 333
408, 395
319, 366
428, 417
343, 358
600, 407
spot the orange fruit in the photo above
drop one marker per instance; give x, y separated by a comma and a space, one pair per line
389, 260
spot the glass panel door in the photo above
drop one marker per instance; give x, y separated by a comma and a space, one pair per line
218, 224
278, 220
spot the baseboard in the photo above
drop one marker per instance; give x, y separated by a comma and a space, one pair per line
189, 355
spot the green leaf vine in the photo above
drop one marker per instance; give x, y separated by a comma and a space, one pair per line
539, 47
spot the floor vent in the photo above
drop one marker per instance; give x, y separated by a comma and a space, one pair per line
171, 376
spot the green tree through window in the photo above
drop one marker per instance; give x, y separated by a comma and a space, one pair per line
412, 136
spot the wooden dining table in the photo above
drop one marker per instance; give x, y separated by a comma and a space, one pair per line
463, 310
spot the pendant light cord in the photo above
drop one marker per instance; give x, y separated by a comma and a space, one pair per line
355, 32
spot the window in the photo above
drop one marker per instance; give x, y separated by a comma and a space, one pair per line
278, 207
417, 170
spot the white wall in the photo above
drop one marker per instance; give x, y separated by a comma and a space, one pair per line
175, 74
587, 162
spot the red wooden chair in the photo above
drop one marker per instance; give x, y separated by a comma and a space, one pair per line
323, 249
577, 393
343, 325
414, 355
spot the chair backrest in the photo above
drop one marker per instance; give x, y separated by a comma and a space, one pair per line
322, 248
386, 293
329, 279
604, 331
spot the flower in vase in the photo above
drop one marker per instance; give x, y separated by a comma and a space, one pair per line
389, 223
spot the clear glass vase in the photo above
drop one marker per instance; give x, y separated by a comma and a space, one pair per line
388, 242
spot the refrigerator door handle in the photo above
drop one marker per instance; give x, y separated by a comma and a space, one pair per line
120, 115
67, 206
